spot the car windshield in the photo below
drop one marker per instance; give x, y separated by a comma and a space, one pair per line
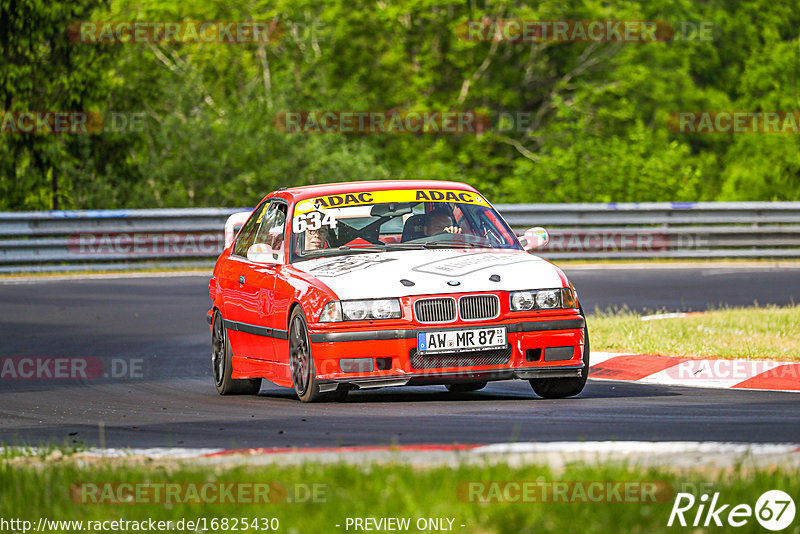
406, 219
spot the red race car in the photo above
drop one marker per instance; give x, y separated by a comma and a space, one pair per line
329, 288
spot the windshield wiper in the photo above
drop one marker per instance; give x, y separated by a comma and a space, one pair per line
405, 246
365, 247
450, 244
344, 249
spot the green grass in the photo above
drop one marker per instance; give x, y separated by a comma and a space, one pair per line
32, 491
8, 452
768, 332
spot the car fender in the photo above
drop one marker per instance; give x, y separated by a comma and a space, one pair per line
297, 288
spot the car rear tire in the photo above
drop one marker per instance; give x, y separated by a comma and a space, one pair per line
464, 387
222, 364
559, 388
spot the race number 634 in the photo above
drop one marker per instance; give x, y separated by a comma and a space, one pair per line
312, 221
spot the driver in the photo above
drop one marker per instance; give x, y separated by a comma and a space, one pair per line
439, 221
316, 239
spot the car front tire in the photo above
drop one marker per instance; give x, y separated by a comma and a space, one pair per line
559, 388
301, 361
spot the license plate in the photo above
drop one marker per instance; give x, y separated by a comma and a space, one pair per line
434, 342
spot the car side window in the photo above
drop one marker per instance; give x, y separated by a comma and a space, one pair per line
248, 232
272, 229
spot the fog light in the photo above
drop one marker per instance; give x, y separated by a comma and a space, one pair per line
356, 365
558, 354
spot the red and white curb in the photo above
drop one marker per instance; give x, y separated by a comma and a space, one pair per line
702, 373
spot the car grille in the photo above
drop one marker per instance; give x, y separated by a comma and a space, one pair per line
476, 307
435, 310
462, 359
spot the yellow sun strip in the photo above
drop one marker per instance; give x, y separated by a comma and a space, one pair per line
366, 198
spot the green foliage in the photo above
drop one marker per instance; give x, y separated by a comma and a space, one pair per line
590, 118
42, 70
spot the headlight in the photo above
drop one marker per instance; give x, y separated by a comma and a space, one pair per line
386, 309
545, 299
355, 310
360, 310
522, 300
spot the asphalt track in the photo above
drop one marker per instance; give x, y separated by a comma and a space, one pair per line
158, 326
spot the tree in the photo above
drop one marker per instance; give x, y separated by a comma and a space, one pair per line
42, 70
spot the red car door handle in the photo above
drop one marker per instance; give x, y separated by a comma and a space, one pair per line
241, 279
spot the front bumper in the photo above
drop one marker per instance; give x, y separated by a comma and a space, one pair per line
392, 359
430, 379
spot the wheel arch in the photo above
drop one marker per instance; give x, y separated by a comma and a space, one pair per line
294, 305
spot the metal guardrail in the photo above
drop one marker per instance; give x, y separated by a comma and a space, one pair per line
111, 239
120, 239
664, 229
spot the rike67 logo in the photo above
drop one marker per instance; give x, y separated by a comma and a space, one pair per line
774, 510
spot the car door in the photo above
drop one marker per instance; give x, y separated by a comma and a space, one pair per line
238, 298
258, 284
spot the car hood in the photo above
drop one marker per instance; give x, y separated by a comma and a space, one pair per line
424, 272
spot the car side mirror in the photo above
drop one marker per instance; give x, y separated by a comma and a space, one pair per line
263, 253
233, 223
533, 238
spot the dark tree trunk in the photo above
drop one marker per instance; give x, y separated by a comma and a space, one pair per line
55, 189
